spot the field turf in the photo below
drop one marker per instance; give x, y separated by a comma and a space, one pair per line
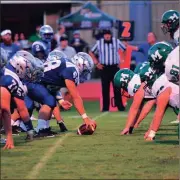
104, 155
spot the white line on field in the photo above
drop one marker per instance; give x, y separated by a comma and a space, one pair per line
37, 168
111, 115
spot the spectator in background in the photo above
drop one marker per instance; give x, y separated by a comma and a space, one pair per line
78, 44
143, 48
24, 42
16, 39
8, 44
61, 30
35, 37
151, 40
67, 50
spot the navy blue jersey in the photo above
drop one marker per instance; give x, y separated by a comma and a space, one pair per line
12, 83
46, 46
57, 71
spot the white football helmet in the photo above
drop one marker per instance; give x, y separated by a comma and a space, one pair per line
56, 55
25, 65
46, 33
85, 65
38, 71
3, 58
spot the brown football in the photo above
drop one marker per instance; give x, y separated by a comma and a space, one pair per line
83, 130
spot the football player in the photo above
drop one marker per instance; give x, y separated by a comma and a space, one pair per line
60, 72
166, 60
135, 85
164, 91
3, 62
39, 93
21, 66
170, 24
42, 48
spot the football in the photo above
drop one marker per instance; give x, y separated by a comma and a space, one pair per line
83, 130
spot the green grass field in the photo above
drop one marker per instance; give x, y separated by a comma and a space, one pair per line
104, 155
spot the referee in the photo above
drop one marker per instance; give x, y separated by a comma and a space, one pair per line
106, 49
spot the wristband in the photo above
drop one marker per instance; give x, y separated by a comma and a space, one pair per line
60, 101
84, 116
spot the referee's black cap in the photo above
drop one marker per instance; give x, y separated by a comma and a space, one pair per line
107, 31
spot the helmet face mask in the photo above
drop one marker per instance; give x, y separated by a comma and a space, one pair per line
85, 65
170, 21
48, 37
165, 28
46, 33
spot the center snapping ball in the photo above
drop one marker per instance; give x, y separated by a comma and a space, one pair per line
83, 130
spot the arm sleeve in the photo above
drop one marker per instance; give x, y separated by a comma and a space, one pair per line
121, 45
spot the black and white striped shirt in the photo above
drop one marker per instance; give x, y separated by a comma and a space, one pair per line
108, 52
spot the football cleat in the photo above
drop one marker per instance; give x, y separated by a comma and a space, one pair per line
15, 130
45, 133
62, 127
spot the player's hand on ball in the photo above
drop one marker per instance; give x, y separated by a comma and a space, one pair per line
88, 128
90, 123
66, 105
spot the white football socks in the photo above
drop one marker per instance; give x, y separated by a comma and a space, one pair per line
22, 126
47, 123
15, 123
42, 124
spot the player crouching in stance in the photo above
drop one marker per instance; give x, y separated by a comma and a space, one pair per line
22, 66
62, 72
165, 92
135, 86
3, 62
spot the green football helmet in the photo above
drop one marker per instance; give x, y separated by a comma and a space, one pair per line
122, 78
158, 53
148, 75
170, 21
